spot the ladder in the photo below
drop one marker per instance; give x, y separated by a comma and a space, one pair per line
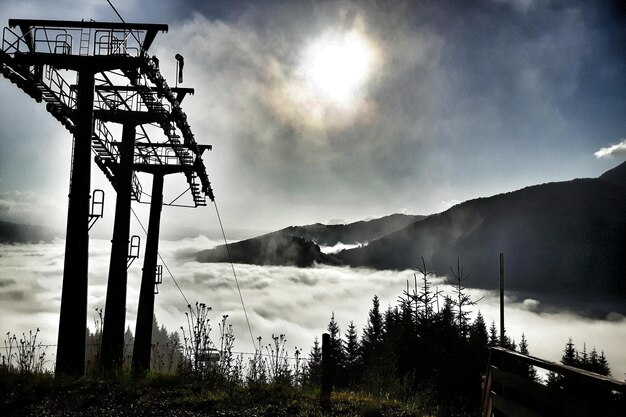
85, 38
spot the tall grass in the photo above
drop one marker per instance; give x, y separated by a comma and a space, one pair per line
25, 355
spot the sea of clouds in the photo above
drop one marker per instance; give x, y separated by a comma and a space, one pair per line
296, 302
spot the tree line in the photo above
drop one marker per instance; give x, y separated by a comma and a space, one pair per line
427, 344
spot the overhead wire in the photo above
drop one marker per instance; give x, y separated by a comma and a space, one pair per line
232, 265
163, 262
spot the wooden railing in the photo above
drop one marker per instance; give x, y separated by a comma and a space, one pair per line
508, 390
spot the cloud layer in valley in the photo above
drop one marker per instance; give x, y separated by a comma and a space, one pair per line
279, 300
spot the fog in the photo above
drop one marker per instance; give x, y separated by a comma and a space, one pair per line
279, 300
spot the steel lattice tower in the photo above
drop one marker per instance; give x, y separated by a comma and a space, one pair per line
116, 82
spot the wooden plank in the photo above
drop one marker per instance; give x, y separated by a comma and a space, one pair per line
511, 408
559, 402
486, 403
576, 373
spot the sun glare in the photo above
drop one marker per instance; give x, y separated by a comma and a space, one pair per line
337, 65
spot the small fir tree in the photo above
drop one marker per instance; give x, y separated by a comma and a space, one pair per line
352, 355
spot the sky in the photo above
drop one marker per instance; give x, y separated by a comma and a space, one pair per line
323, 111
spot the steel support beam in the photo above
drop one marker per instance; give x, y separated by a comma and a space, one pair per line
70, 358
115, 306
145, 311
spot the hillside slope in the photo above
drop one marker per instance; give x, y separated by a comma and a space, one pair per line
269, 250
23, 233
300, 245
565, 238
352, 233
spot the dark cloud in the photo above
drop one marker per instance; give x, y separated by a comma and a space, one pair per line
5, 282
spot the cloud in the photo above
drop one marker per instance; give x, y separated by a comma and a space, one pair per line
279, 300
531, 304
612, 151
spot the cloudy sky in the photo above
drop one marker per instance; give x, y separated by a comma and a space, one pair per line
329, 111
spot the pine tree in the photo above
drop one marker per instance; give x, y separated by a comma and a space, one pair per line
461, 299
570, 355
494, 340
372, 334
337, 356
530, 370
352, 355
426, 298
603, 365
570, 358
478, 332
314, 369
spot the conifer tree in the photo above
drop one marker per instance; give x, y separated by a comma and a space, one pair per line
461, 299
478, 332
352, 355
314, 369
426, 298
569, 354
337, 356
494, 340
529, 370
373, 333
603, 367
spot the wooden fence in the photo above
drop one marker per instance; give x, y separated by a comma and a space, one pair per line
508, 390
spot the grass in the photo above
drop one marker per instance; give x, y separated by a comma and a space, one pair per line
41, 395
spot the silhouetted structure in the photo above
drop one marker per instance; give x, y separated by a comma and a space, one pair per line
103, 55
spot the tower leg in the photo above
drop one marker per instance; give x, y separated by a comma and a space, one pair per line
112, 354
145, 311
70, 358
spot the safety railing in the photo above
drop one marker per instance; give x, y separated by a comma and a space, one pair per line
67, 41
105, 138
13, 43
61, 88
117, 42
509, 391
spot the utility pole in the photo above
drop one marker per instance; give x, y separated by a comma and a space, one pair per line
502, 331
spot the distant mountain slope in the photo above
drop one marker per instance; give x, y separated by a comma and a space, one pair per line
23, 233
358, 232
616, 175
273, 249
299, 245
565, 238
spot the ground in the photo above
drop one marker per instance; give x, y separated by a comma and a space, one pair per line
178, 396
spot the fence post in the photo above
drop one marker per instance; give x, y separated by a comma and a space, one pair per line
327, 370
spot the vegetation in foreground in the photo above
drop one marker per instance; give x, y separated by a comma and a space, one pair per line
177, 395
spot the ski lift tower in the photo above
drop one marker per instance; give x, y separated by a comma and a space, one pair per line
37, 58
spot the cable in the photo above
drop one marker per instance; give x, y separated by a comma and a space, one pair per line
232, 265
163, 262
123, 21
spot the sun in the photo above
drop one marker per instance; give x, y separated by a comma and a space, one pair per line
330, 82
337, 65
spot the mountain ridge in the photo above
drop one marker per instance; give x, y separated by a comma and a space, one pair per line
560, 239
300, 245
24, 233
